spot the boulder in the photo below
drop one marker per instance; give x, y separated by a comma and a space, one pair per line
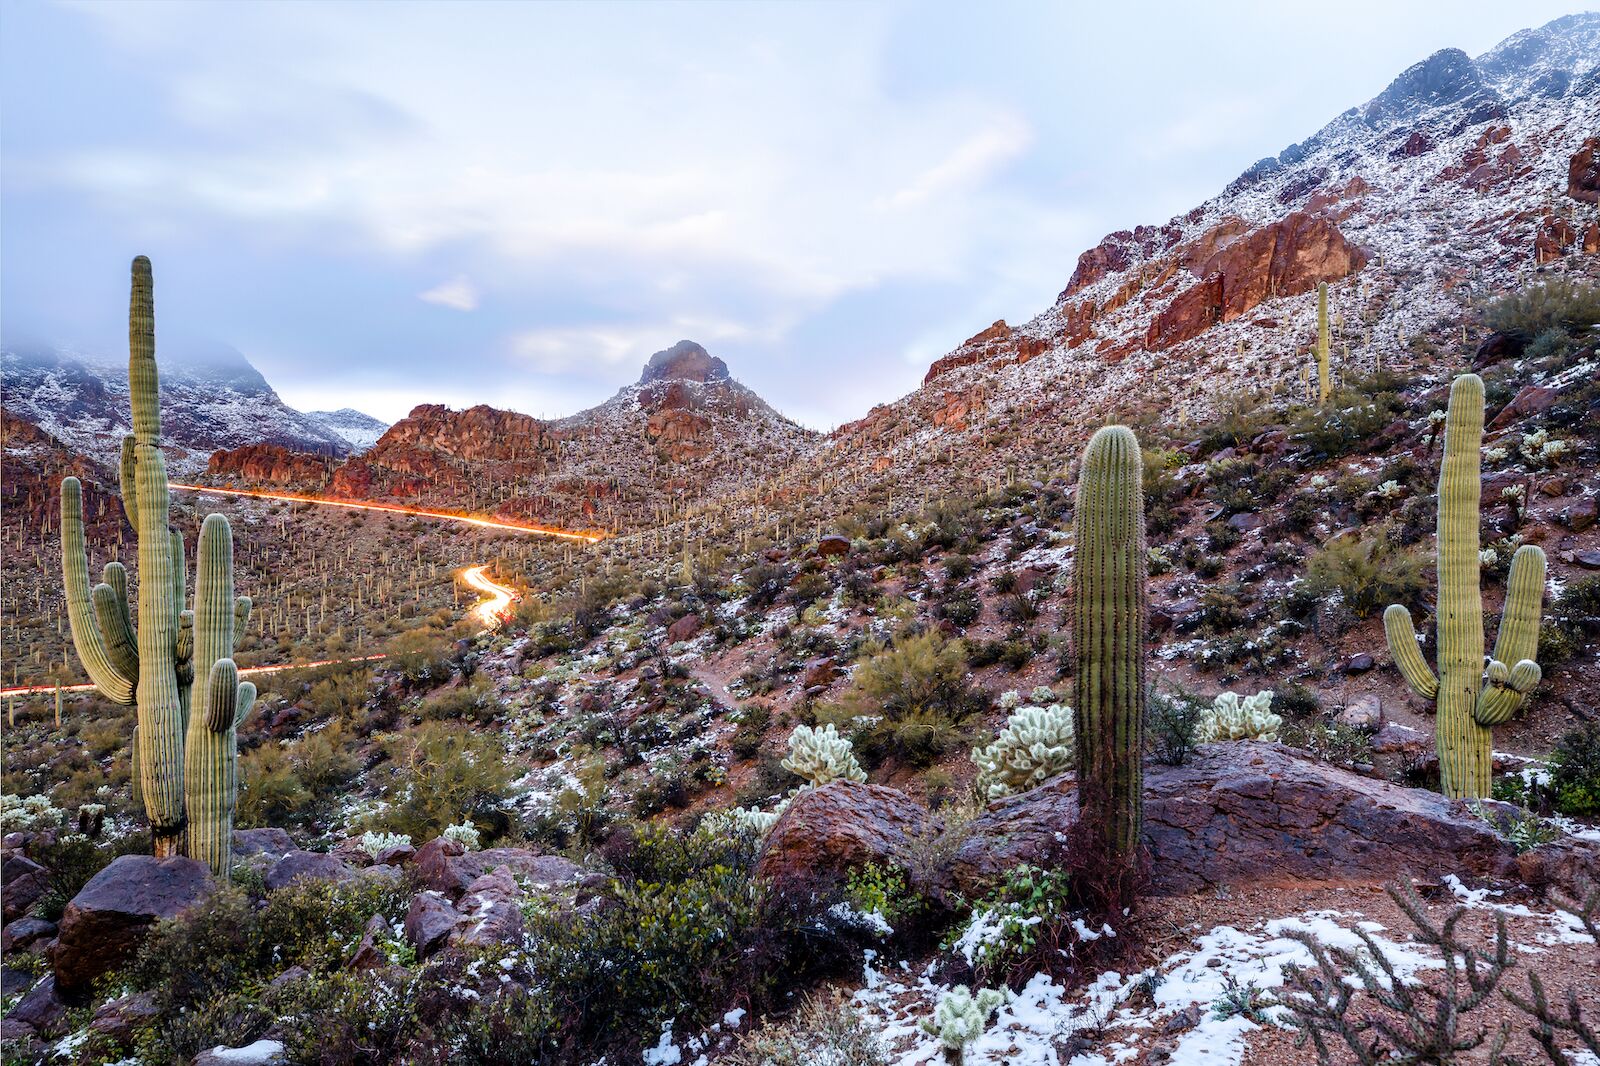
398, 855
1588, 558
119, 1019
271, 842
819, 673
25, 932
25, 881
14, 982
368, 954
833, 544
443, 866
42, 1009
827, 832
1394, 737
683, 628
1532, 400
107, 919
1364, 711
429, 922
1359, 663
1580, 515
1248, 812
307, 866
493, 911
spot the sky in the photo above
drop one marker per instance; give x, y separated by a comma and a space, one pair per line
382, 205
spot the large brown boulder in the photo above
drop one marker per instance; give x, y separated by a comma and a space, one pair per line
493, 911
25, 881
429, 922
299, 866
105, 922
1250, 812
447, 868
829, 831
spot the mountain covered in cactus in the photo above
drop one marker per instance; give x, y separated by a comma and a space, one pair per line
213, 398
686, 433
1203, 673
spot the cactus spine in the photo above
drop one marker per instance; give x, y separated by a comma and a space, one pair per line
1108, 634
1324, 374
1471, 698
153, 667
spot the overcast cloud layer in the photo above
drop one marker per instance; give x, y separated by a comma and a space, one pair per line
385, 205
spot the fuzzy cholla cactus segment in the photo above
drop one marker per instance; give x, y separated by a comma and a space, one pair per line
961, 1017
465, 834
1035, 745
821, 755
752, 820
1235, 717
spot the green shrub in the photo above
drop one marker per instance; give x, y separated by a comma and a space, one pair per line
421, 655
1368, 573
439, 774
1347, 423
1560, 303
1569, 621
821, 1031
1575, 772
1172, 722
917, 689
1021, 927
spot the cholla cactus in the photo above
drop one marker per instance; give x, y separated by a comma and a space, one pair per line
465, 834
1232, 717
961, 1017
1035, 745
752, 820
1541, 449
30, 813
822, 755
1390, 490
376, 844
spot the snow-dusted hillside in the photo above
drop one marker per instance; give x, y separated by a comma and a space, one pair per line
209, 400
1455, 184
360, 431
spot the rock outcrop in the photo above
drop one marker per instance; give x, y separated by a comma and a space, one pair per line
109, 917
1583, 172
271, 464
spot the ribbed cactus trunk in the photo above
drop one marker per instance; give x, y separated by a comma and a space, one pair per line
152, 667
1324, 371
1108, 632
1470, 697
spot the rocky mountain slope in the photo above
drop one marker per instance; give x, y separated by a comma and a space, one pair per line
210, 398
1460, 178
685, 431
360, 431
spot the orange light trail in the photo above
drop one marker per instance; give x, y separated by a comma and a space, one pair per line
497, 607
471, 520
34, 689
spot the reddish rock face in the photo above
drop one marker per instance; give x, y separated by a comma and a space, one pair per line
829, 831
106, 920
1241, 269
682, 435
1583, 173
271, 464
1249, 812
684, 361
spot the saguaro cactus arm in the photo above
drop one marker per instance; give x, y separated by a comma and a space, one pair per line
87, 637
1402, 636
1512, 673
111, 612
245, 700
130, 494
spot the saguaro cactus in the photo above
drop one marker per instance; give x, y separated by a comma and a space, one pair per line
1324, 372
153, 667
1471, 697
1108, 634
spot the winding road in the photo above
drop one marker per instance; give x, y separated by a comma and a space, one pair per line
492, 611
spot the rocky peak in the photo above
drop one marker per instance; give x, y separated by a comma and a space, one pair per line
1449, 76
684, 361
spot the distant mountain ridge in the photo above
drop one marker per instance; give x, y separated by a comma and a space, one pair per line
211, 398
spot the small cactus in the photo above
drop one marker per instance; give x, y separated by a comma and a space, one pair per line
1324, 371
1035, 745
821, 755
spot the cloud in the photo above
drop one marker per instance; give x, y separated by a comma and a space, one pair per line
458, 293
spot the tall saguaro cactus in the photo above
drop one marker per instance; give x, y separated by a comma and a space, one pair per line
1108, 635
1471, 697
1324, 371
153, 667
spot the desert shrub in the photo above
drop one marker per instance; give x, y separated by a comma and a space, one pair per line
361, 1018
918, 687
823, 1030
421, 655
204, 967
70, 861
1172, 723
753, 719
1241, 420
1031, 922
1569, 622
957, 567
962, 607
1575, 771
1330, 742
296, 784
1559, 303
440, 773
1367, 573
1346, 423
1296, 702
683, 932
